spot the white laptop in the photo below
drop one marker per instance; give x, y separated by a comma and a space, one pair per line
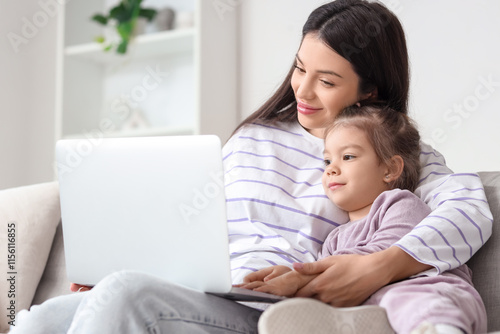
151, 204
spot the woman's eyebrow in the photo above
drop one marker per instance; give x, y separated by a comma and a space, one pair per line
320, 71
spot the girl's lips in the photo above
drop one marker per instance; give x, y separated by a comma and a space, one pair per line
306, 109
334, 185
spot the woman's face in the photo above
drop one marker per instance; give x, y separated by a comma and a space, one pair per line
324, 83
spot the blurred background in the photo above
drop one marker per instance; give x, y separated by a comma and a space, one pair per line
212, 64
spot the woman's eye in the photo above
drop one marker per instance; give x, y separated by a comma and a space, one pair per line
326, 162
328, 84
301, 70
349, 156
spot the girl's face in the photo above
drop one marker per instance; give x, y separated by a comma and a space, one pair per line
353, 176
324, 83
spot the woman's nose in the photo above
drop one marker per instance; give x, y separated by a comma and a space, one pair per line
306, 90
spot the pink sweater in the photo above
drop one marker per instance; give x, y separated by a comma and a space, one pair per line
448, 298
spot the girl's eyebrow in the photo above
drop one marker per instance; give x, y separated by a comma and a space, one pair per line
345, 147
320, 71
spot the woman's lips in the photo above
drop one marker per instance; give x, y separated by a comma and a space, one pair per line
306, 109
334, 185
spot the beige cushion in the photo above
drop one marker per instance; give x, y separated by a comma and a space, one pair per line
34, 213
484, 264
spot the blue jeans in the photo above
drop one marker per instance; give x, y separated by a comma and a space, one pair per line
130, 302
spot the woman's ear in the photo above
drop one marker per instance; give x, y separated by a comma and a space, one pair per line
370, 96
394, 169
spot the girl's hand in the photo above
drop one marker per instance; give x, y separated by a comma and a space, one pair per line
277, 280
285, 285
265, 274
79, 288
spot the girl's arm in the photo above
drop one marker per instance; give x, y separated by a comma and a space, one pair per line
350, 276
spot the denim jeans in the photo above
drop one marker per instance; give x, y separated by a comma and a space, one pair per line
130, 302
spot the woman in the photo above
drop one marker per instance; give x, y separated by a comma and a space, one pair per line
277, 211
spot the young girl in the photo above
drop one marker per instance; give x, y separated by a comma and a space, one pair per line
371, 170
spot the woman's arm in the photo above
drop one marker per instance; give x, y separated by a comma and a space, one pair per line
460, 222
458, 226
348, 280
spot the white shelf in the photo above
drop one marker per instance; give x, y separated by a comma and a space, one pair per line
150, 45
147, 132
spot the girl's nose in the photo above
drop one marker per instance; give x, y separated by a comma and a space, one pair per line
331, 170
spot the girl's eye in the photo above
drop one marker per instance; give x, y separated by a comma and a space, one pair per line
301, 70
326, 162
349, 156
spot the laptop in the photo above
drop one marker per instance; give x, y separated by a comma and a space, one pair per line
150, 204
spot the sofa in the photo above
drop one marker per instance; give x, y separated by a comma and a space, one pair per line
34, 262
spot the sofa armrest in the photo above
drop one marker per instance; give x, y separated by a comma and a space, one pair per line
484, 264
29, 216
54, 281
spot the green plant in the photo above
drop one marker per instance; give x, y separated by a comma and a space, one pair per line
124, 16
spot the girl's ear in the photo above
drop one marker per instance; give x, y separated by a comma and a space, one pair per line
394, 169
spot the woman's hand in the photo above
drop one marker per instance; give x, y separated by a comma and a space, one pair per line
348, 280
79, 288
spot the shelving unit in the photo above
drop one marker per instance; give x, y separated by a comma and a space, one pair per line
151, 45
181, 81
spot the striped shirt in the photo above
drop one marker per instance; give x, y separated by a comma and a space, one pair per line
278, 213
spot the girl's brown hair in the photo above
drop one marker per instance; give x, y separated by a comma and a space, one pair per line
370, 37
390, 133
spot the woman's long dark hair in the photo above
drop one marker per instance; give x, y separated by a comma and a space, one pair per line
370, 37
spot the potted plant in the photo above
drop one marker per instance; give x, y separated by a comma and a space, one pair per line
124, 18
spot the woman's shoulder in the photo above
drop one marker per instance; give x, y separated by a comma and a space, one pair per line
277, 139
272, 128
287, 133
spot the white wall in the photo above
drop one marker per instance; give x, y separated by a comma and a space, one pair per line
270, 35
27, 92
452, 44
454, 50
